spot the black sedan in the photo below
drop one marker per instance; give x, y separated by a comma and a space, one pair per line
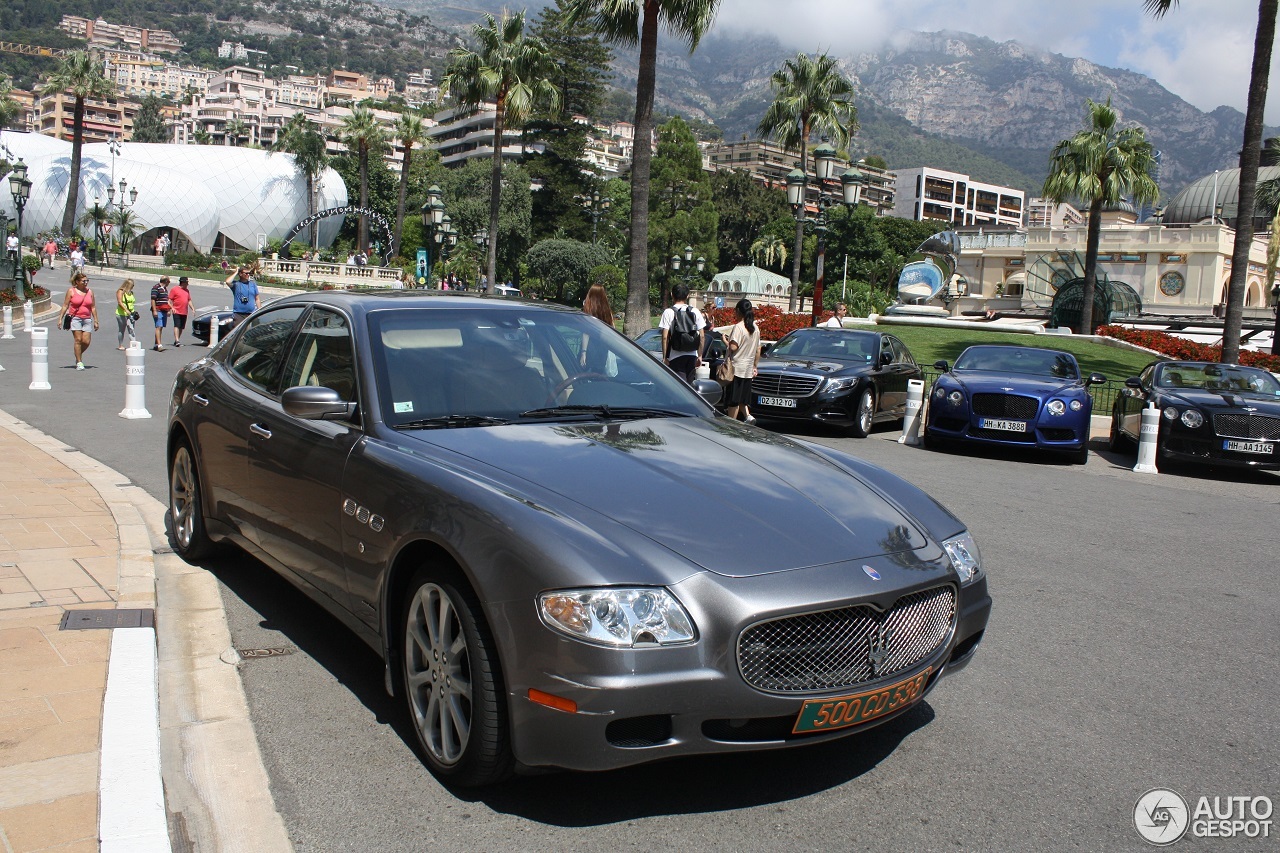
840, 377
1210, 413
508, 531
200, 324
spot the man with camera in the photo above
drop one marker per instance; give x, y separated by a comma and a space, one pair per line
244, 295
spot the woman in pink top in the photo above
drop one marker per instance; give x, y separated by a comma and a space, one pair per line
82, 312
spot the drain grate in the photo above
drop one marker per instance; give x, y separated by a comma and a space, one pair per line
264, 653
82, 620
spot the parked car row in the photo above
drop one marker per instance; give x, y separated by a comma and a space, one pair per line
999, 395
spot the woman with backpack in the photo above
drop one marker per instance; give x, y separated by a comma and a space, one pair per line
744, 352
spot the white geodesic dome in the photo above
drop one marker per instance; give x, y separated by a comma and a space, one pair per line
201, 191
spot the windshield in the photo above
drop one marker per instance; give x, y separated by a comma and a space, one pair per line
1028, 361
469, 367
821, 344
1219, 377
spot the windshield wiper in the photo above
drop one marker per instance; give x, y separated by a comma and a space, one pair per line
452, 422
606, 412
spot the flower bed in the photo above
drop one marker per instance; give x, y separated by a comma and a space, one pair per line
34, 292
773, 324
1185, 350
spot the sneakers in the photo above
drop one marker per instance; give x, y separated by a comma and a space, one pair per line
750, 419
176, 344
79, 365
158, 348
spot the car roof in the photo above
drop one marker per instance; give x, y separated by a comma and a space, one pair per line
372, 300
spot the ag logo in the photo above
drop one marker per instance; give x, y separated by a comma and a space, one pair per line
1161, 816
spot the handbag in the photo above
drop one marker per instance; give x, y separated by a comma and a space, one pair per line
134, 316
725, 371
66, 321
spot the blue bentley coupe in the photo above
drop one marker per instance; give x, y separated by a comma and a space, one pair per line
1014, 397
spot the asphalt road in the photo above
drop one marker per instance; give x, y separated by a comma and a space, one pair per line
1133, 645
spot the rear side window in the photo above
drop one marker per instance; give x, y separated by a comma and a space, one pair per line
259, 351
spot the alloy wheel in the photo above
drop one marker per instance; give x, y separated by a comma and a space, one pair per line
437, 661
184, 498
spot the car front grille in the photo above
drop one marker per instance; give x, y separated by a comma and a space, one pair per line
834, 649
1003, 435
1005, 406
784, 384
1247, 426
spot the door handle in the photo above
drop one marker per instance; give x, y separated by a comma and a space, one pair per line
259, 430
202, 400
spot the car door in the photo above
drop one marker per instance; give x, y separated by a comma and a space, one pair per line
1134, 401
893, 376
296, 465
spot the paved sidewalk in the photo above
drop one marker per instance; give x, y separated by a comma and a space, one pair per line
82, 735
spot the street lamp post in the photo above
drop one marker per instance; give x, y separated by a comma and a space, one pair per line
1275, 308
825, 160
20, 189
481, 239
439, 229
123, 206
595, 205
690, 270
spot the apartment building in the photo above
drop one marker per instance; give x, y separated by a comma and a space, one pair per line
103, 119
926, 193
770, 163
98, 33
139, 74
1046, 213
463, 135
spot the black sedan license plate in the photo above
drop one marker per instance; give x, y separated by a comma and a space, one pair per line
1007, 426
823, 715
1248, 446
780, 402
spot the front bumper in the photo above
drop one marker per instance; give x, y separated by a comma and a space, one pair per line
1057, 435
1180, 447
640, 705
833, 409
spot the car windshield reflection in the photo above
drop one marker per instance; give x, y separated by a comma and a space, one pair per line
486, 367
1218, 377
1022, 360
816, 344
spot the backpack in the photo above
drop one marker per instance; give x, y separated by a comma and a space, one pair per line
684, 331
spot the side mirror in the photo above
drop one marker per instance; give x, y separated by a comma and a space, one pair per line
942, 365
1133, 382
1095, 379
886, 358
316, 404
708, 389
765, 349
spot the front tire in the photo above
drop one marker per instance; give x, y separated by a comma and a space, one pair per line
864, 414
186, 505
453, 685
1081, 456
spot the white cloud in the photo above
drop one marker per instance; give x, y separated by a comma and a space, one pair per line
1201, 50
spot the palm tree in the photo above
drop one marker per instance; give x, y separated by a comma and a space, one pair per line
629, 22
769, 248
1100, 165
361, 133
808, 95
410, 131
201, 137
81, 75
125, 225
9, 108
1263, 41
234, 129
512, 70
300, 138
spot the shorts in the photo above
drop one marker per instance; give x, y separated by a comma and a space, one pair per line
238, 318
179, 321
82, 324
162, 319
685, 366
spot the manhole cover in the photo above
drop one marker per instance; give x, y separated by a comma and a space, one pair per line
263, 653
81, 620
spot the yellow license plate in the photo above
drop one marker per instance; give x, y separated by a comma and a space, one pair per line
823, 715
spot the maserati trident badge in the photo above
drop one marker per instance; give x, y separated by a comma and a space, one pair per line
880, 649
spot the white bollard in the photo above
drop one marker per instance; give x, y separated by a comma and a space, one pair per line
8, 323
28, 312
135, 387
40, 360
911, 423
1147, 441
213, 328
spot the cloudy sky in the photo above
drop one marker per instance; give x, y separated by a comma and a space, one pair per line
1201, 50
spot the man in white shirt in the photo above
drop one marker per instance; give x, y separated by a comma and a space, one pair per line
11, 247
77, 261
837, 321
682, 329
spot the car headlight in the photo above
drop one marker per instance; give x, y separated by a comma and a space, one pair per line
956, 398
965, 558
1077, 405
1192, 419
841, 384
617, 617
1056, 407
939, 391
1169, 413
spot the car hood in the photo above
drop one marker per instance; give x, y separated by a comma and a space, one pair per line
1260, 403
735, 500
986, 382
803, 365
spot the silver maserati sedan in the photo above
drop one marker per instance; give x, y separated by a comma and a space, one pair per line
564, 555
